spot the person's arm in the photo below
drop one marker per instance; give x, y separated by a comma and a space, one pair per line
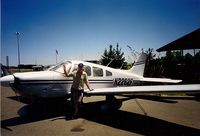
65, 72
87, 83
88, 86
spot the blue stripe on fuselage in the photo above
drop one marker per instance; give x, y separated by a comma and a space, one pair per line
28, 82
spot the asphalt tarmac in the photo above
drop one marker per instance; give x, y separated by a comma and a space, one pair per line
137, 116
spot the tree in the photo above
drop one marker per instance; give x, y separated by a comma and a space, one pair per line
150, 63
114, 57
107, 56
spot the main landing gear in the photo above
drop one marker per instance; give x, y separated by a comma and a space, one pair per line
111, 104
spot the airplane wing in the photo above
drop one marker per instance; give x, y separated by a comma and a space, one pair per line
191, 88
161, 80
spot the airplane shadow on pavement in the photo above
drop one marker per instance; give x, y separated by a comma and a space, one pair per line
132, 122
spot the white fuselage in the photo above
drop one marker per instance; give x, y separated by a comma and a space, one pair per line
53, 82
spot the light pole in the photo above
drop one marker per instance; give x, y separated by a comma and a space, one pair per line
56, 55
17, 34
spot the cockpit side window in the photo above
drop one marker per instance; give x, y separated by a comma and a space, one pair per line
108, 73
88, 70
97, 72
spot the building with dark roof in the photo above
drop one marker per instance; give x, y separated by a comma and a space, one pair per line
189, 41
183, 67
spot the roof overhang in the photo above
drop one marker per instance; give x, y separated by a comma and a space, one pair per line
189, 41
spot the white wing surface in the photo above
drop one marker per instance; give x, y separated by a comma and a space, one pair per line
192, 88
161, 80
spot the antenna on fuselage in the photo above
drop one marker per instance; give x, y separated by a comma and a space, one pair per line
121, 66
110, 62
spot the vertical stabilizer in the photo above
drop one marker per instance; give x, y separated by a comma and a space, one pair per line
139, 65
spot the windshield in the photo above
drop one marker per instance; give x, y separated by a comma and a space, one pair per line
59, 67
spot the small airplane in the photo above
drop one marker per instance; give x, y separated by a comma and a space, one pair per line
106, 81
